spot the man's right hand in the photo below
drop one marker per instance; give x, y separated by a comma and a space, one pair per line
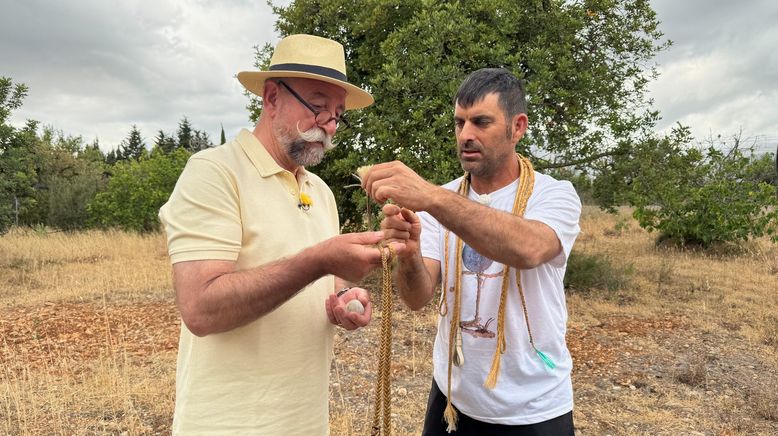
352, 256
401, 226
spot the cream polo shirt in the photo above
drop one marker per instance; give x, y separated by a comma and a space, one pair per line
234, 202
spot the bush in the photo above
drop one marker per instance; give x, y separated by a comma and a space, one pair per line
590, 272
136, 191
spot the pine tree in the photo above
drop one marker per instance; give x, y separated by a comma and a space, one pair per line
200, 141
223, 138
185, 134
133, 147
165, 143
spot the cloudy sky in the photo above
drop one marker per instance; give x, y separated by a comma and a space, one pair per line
94, 67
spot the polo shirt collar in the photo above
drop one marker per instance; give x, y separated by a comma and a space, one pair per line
261, 159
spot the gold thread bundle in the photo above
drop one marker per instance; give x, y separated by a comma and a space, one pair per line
383, 402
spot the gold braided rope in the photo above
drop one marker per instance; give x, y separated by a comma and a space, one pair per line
383, 401
523, 192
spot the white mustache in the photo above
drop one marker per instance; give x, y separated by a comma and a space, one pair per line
316, 134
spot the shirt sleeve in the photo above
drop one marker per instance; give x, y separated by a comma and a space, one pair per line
558, 206
430, 236
202, 216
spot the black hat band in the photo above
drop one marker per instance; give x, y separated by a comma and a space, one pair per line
313, 69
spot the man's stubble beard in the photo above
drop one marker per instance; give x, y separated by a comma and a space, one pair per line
300, 146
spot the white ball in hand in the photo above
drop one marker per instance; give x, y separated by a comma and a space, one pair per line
355, 306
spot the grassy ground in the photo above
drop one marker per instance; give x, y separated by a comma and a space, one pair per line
688, 344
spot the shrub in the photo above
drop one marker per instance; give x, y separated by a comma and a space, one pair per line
136, 191
590, 272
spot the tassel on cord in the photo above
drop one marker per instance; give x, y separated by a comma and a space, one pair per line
450, 415
547, 360
491, 380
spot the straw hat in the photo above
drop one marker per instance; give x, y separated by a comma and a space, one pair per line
310, 57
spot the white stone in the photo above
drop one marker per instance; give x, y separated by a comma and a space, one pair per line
355, 306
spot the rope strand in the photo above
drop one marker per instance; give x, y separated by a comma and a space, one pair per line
383, 402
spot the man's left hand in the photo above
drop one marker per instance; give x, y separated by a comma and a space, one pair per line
338, 315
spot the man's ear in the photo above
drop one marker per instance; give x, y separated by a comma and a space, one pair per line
270, 97
519, 123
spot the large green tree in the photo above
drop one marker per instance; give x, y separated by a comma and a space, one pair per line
586, 64
18, 176
693, 195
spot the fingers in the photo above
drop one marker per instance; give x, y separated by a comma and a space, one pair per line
390, 210
328, 309
336, 306
374, 181
409, 216
366, 238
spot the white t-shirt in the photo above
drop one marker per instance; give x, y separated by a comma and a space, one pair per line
526, 392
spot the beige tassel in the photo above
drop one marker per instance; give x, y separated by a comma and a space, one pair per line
450, 415
494, 373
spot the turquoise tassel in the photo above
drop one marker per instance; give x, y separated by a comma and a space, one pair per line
547, 360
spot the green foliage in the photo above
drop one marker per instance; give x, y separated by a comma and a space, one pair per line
136, 191
69, 174
584, 63
592, 272
132, 147
69, 198
764, 168
192, 139
18, 175
165, 142
692, 196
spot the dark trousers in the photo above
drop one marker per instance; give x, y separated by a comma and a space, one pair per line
434, 425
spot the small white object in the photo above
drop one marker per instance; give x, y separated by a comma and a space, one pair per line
485, 199
355, 306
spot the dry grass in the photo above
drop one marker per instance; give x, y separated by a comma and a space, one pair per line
89, 330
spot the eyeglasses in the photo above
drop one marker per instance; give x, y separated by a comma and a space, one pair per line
322, 117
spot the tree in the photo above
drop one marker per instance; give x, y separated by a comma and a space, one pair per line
223, 139
18, 175
69, 175
200, 141
132, 147
692, 195
165, 143
185, 134
136, 191
585, 63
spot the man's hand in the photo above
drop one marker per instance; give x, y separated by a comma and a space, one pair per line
395, 181
352, 256
338, 315
401, 226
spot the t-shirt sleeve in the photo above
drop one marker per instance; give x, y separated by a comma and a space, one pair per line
202, 216
558, 206
430, 236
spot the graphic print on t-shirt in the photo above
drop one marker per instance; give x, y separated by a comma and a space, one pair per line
476, 264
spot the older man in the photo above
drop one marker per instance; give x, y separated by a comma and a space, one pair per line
498, 239
257, 259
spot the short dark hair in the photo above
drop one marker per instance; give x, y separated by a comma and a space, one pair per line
485, 81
